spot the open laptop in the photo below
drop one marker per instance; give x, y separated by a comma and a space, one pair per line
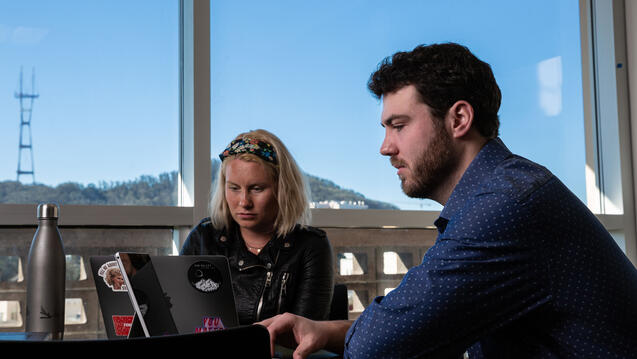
178, 294
117, 311
196, 291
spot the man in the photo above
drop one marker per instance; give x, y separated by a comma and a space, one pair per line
520, 268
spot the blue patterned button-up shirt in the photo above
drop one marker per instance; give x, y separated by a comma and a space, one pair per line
520, 269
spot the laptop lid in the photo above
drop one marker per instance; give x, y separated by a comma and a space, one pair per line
112, 296
180, 294
199, 289
150, 302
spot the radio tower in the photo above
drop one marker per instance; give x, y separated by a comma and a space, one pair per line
26, 145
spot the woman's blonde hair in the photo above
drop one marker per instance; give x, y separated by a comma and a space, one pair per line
291, 189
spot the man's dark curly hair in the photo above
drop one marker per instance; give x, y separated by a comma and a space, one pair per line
443, 74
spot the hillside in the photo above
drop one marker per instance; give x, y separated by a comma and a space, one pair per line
153, 191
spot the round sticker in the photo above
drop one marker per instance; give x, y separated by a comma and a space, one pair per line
204, 276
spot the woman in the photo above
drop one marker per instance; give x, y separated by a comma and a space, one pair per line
258, 217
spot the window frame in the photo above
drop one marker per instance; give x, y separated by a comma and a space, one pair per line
602, 132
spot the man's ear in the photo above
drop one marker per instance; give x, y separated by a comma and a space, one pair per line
460, 118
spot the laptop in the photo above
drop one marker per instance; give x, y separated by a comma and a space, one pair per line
117, 311
178, 294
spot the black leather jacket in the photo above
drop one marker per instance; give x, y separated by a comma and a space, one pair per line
291, 274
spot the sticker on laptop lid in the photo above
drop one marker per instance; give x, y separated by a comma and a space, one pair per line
204, 276
210, 324
122, 324
112, 276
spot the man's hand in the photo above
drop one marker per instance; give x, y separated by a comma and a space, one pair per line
306, 335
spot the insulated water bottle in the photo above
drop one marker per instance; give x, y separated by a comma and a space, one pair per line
46, 275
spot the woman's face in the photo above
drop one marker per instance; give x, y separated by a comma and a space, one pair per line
117, 279
250, 195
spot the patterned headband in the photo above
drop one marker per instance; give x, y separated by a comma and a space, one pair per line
250, 145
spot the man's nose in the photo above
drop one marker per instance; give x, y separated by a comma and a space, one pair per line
387, 148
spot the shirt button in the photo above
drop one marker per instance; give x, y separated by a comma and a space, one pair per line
286, 244
269, 265
241, 262
223, 238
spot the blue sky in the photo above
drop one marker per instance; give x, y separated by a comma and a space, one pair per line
108, 86
108, 81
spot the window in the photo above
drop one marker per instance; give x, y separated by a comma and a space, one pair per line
300, 70
144, 116
90, 102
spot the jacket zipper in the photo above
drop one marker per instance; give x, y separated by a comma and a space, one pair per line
259, 265
268, 282
252, 266
283, 291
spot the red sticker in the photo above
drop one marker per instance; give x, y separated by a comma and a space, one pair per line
122, 324
210, 324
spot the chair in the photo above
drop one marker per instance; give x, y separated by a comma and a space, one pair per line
249, 341
339, 309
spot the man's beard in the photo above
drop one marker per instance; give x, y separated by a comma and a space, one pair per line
432, 168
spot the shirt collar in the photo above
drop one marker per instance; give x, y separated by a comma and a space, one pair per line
493, 152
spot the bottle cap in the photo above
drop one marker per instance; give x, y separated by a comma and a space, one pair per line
48, 210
